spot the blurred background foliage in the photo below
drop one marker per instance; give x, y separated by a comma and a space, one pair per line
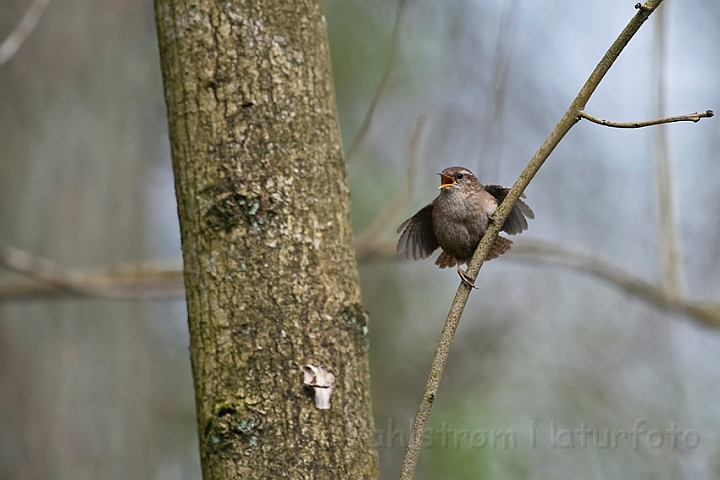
93, 388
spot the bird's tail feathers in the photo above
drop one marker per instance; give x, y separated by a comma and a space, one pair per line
500, 246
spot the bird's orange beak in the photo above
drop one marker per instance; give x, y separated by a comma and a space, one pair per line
446, 181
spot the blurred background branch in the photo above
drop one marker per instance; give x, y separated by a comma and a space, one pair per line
538, 251
673, 279
371, 239
392, 59
24, 29
493, 130
49, 279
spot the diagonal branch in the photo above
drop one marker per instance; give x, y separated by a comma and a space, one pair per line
690, 117
27, 25
571, 117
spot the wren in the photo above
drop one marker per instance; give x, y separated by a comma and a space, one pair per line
457, 220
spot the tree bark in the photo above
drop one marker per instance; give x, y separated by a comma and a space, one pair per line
270, 273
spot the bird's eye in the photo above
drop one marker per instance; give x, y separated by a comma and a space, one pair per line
459, 176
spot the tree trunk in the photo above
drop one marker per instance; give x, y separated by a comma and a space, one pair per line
270, 272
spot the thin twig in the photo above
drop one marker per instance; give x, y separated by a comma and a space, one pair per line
571, 117
52, 279
690, 117
365, 126
24, 29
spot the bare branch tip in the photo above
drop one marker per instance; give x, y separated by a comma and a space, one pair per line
706, 114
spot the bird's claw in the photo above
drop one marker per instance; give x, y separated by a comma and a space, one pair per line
466, 279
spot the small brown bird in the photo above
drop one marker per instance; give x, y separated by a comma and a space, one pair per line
457, 219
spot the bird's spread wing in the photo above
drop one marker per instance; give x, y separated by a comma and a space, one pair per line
418, 238
516, 221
